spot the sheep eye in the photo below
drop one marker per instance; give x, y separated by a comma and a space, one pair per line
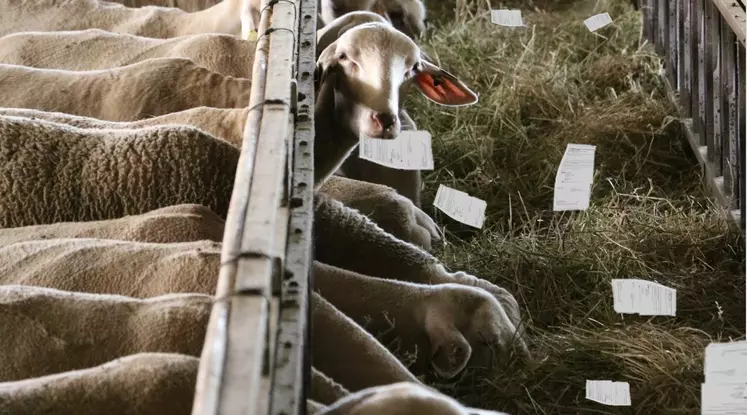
342, 56
395, 15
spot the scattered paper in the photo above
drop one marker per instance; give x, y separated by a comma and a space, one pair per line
597, 21
574, 177
646, 298
411, 150
726, 362
608, 392
725, 387
723, 398
509, 18
460, 206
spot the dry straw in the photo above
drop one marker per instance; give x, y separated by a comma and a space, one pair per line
541, 87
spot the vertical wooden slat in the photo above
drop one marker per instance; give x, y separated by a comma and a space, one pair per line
695, 90
673, 45
741, 129
703, 75
661, 26
729, 132
686, 62
649, 23
714, 48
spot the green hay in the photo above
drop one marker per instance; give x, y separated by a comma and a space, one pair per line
542, 87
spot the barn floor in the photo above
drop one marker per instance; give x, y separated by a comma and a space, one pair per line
541, 87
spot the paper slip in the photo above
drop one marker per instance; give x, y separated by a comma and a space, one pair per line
574, 177
597, 21
646, 298
509, 18
608, 392
723, 398
726, 362
411, 150
460, 206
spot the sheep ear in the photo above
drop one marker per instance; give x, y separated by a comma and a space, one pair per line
442, 87
450, 351
325, 64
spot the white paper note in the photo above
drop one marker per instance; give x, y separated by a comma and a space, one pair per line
504, 17
723, 398
646, 298
411, 150
597, 21
608, 392
460, 206
574, 177
726, 362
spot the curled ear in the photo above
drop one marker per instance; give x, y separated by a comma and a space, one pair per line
442, 87
450, 351
325, 65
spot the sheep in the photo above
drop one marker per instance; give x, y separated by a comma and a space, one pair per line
95, 49
359, 83
71, 330
142, 270
402, 398
179, 223
390, 210
47, 331
407, 183
139, 384
42, 159
224, 123
226, 17
186, 5
447, 325
386, 208
407, 16
145, 89
57, 173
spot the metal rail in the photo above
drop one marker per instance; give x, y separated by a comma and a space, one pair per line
703, 43
254, 357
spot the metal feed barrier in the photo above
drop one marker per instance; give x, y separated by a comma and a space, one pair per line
254, 360
703, 42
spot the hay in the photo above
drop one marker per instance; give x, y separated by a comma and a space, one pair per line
542, 87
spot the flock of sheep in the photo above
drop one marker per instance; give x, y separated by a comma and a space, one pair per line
119, 138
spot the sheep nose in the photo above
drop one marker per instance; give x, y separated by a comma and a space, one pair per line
385, 119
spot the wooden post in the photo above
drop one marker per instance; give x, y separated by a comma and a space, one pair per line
673, 42
729, 113
695, 89
714, 51
741, 128
686, 62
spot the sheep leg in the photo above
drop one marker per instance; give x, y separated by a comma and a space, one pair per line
346, 239
347, 353
448, 322
393, 212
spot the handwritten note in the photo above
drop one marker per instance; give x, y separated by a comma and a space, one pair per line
574, 177
411, 150
460, 206
646, 298
608, 392
597, 21
508, 18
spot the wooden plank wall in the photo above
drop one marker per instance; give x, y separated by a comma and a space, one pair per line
703, 47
